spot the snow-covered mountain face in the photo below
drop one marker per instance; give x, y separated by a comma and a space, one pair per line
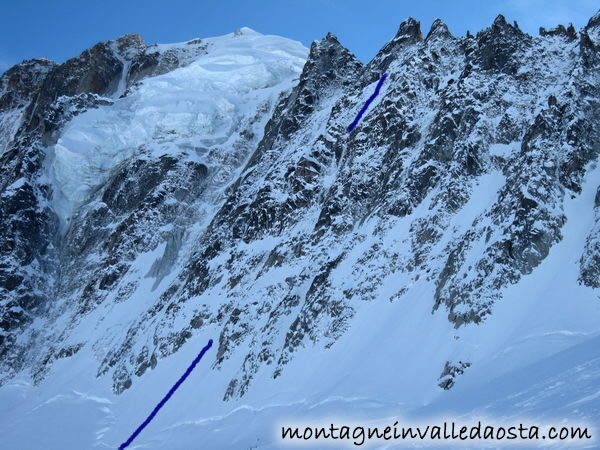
147, 161
156, 196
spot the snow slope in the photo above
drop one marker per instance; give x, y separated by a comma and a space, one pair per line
534, 362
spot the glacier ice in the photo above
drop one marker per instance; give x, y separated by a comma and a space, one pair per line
198, 106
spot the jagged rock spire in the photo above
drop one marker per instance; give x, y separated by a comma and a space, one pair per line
594, 21
497, 45
409, 33
590, 40
409, 30
500, 21
438, 28
329, 64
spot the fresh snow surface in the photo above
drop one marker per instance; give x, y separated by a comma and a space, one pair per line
202, 105
536, 361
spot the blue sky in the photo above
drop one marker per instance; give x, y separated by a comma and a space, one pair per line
61, 29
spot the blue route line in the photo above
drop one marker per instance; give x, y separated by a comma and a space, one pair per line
371, 98
168, 396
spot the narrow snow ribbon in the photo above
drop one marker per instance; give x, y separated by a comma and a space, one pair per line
371, 98
167, 397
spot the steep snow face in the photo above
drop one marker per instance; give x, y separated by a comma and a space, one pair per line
195, 107
444, 249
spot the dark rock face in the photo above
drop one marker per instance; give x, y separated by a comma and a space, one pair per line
27, 243
497, 47
454, 182
329, 67
21, 82
98, 69
152, 62
560, 30
438, 30
409, 33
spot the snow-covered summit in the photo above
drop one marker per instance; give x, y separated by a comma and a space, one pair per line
196, 107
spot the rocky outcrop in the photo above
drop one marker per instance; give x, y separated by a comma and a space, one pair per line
450, 372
